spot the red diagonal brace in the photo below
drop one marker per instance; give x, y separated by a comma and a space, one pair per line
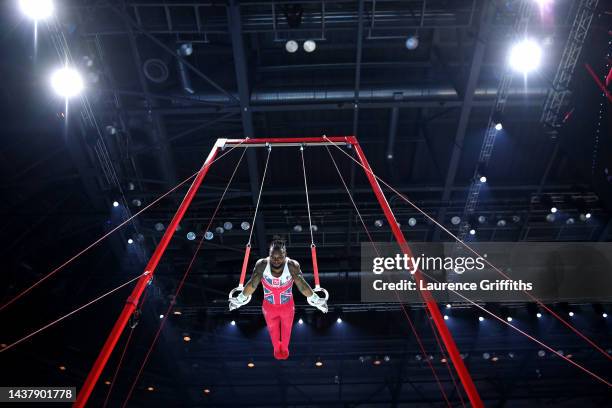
447, 338
132, 300
598, 82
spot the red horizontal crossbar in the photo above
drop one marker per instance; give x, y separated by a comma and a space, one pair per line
296, 140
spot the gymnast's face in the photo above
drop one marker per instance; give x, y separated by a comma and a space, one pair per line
277, 258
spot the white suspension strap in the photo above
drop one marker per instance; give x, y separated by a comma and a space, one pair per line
247, 253
313, 247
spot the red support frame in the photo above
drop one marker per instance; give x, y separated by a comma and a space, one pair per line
430, 303
134, 298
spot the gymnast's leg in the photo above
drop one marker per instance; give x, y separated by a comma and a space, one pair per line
273, 321
286, 324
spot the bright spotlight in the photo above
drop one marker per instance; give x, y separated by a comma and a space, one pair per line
604, 315
130, 241
67, 82
339, 320
36, 9
446, 317
483, 179
571, 314
309, 45
497, 118
233, 322
509, 318
587, 215
538, 315
480, 318
412, 42
115, 204
291, 46
448, 305
525, 56
300, 321
472, 232
543, 3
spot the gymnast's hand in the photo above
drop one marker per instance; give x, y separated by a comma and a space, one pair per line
238, 301
318, 302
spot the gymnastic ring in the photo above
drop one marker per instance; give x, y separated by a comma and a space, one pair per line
238, 288
320, 289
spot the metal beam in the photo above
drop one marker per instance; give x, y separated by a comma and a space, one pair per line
393, 120
90, 132
128, 20
158, 133
120, 109
559, 91
243, 191
358, 68
186, 132
543, 179
437, 89
77, 148
341, 17
233, 15
466, 109
151, 95
488, 141
355, 119
318, 106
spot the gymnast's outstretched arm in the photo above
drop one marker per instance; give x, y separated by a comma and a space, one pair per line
252, 284
298, 278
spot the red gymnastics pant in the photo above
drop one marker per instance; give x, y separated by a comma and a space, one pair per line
279, 319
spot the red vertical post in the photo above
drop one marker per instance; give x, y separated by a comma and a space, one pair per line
132, 300
447, 338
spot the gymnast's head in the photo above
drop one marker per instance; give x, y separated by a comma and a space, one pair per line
278, 252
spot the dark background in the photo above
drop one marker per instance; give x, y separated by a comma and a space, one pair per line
131, 139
